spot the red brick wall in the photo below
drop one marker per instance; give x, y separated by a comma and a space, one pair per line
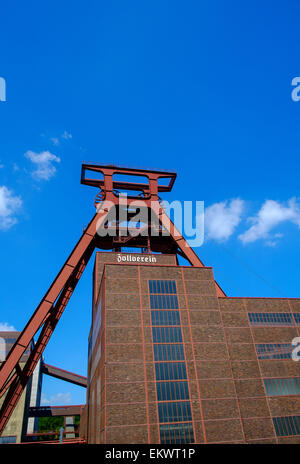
228, 398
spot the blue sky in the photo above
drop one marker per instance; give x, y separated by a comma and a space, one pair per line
203, 88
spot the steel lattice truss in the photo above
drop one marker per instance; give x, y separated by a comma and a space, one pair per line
13, 378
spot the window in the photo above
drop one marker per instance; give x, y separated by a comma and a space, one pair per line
170, 371
274, 350
90, 348
289, 425
297, 318
271, 319
274, 319
166, 334
163, 302
178, 411
167, 391
96, 325
10, 341
282, 386
176, 433
164, 352
163, 294
162, 286
95, 362
165, 318
11, 439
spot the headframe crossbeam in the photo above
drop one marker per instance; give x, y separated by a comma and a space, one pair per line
13, 378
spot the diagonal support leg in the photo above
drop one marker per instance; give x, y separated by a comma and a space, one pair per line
46, 316
182, 244
23, 375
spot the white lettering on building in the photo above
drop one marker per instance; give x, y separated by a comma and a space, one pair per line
135, 259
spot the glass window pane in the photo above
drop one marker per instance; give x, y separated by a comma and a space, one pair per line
282, 386
271, 319
288, 425
170, 369
176, 433
274, 350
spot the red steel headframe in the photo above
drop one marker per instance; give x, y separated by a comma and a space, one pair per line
13, 378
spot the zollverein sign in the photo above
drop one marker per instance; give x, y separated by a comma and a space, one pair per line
137, 259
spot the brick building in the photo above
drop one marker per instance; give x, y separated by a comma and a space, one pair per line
171, 362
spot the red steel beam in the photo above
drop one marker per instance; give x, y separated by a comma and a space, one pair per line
62, 374
49, 411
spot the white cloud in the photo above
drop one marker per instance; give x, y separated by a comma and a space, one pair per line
59, 398
66, 135
5, 327
9, 206
271, 214
222, 218
54, 140
43, 162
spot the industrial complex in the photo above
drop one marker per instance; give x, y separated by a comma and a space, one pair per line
171, 358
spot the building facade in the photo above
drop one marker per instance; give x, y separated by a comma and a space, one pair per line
171, 362
20, 423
